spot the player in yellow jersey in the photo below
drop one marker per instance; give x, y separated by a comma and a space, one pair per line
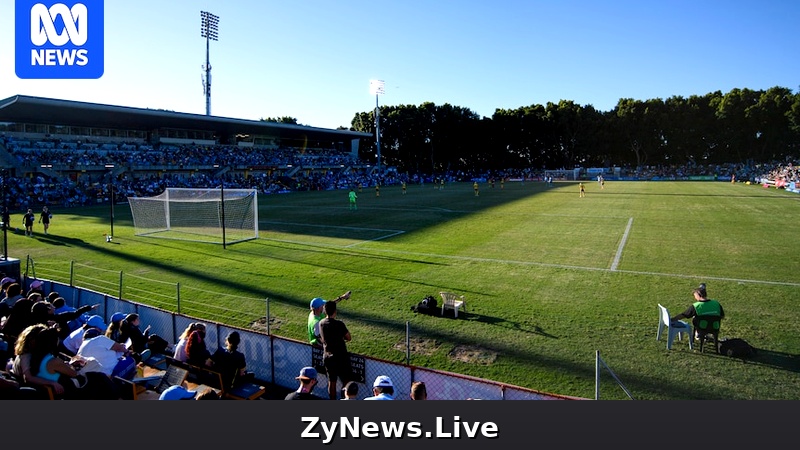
475, 188
583, 190
403, 185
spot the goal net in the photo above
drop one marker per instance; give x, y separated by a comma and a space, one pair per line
197, 215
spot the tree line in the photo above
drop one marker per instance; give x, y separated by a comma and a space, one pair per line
738, 126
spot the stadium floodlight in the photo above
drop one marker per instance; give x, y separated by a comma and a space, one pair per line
209, 29
376, 88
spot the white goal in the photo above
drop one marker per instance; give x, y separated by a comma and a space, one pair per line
197, 215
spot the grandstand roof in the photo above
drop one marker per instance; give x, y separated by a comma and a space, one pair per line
38, 110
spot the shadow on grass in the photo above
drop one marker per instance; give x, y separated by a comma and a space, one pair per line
776, 360
509, 324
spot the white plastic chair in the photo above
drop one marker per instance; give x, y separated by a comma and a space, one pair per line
453, 301
676, 327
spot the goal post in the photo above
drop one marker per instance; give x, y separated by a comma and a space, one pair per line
196, 214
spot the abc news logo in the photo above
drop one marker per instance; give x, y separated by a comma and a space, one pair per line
59, 40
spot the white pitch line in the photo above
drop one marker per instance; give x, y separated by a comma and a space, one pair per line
333, 226
373, 240
588, 269
617, 257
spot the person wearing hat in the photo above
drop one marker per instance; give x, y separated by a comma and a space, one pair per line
703, 306
317, 313
308, 379
382, 389
177, 393
73, 342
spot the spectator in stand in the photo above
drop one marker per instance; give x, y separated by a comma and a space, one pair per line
180, 347
4, 284
334, 336
23, 351
382, 389
114, 330
139, 341
196, 352
13, 293
230, 362
44, 312
36, 286
73, 342
177, 393
350, 391
308, 379
18, 318
419, 391
46, 364
114, 359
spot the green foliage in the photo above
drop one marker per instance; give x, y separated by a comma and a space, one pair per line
533, 262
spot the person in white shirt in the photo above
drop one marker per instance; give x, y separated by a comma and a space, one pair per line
382, 388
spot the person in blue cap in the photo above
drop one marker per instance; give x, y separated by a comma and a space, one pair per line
317, 313
177, 393
308, 379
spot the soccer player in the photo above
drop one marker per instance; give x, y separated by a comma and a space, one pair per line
475, 187
403, 185
583, 190
353, 198
28, 220
377, 190
44, 218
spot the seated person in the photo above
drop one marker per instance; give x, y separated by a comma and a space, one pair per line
114, 358
196, 352
180, 347
703, 306
230, 362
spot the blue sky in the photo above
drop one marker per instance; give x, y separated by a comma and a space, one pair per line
313, 59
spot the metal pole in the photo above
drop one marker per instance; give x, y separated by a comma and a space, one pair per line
6, 215
178, 296
378, 132
222, 206
120, 285
267, 317
208, 82
408, 344
597, 375
72, 274
112, 209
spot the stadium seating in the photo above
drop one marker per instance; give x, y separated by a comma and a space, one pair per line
675, 327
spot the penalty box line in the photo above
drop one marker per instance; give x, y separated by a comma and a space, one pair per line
618, 256
390, 233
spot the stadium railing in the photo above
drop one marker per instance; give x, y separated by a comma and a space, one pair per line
278, 360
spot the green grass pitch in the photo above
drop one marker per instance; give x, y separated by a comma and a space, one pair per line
549, 278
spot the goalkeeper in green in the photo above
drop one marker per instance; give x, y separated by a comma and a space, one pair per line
353, 198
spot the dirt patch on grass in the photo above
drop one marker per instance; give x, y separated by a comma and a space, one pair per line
260, 325
473, 355
419, 346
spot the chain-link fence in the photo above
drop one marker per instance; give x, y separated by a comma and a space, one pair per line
272, 358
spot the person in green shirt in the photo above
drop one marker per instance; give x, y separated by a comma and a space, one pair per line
317, 313
353, 198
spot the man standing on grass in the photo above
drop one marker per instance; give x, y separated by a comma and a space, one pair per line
353, 198
28, 220
334, 336
317, 313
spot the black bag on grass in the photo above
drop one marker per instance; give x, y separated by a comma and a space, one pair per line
426, 306
736, 348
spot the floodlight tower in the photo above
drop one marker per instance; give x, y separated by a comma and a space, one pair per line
209, 24
377, 87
